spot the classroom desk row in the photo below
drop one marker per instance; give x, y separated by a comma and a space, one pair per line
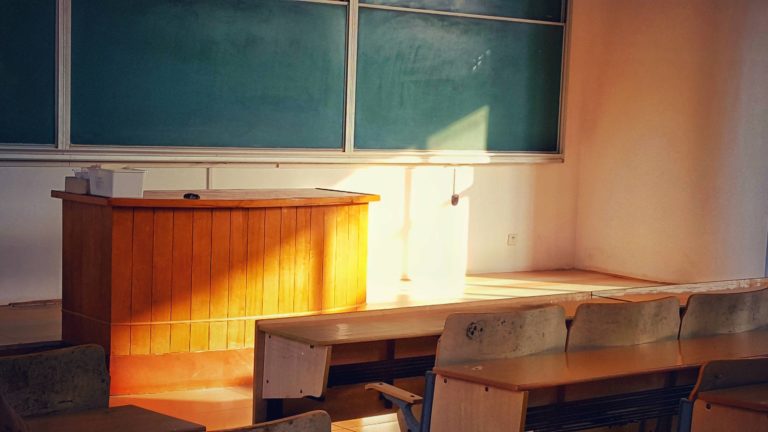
493, 395
303, 357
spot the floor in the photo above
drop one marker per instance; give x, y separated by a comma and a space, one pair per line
222, 408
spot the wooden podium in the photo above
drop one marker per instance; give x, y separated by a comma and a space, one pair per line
171, 287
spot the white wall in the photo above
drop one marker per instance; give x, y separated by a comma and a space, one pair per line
667, 109
414, 231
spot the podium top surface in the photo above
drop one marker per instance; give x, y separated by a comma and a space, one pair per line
227, 198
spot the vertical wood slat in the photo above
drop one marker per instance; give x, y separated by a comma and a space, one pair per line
353, 254
301, 268
316, 243
102, 332
254, 283
272, 221
141, 280
201, 279
329, 257
219, 278
162, 256
181, 281
287, 260
342, 256
71, 267
121, 262
362, 261
91, 263
238, 249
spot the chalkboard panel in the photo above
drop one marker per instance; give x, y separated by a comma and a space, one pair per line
243, 73
440, 82
27, 71
543, 10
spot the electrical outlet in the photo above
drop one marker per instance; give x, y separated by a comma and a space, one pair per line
511, 239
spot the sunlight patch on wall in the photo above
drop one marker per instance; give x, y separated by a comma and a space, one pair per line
469, 133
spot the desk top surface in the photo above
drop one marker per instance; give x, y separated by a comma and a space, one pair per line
127, 418
227, 198
401, 323
682, 292
550, 370
751, 397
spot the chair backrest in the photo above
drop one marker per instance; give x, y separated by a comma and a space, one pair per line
719, 374
55, 381
313, 421
597, 325
497, 335
719, 313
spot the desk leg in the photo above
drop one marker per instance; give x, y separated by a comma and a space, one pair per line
259, 403
465, 406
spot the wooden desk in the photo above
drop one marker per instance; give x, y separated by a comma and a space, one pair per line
127, 418
304, 356
683, 291
493, 395
171, 287
738, 408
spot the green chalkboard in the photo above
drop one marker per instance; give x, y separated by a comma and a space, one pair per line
234, 73
544, 10
448, 83
27, 71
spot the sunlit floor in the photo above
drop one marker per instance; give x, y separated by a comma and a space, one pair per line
230, 407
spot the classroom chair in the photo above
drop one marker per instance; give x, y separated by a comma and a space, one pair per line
313, 421
720, 374
600, 325
481, 336
55, 381
603, 325
720, 313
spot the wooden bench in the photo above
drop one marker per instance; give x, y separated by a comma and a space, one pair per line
303, 356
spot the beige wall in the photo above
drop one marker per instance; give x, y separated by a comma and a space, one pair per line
667, 109
414, 231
